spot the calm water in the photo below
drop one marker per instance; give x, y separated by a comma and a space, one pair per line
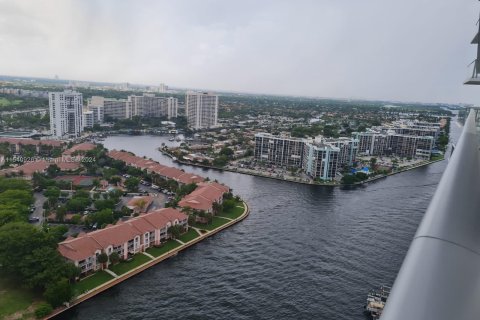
305, 252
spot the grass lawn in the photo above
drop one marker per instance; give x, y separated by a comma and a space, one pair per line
188, 236
13, 298
122, 267
216, 222
167, 246
4, 102
437, 157
233, 213
91, 282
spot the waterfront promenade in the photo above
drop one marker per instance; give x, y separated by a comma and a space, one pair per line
182, 245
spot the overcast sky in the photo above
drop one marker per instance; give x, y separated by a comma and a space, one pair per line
409, 50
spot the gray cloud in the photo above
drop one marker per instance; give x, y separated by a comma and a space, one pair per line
411, 50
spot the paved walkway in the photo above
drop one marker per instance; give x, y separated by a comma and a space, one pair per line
225, 218
148, 255
196, 229
181, 242
113, 274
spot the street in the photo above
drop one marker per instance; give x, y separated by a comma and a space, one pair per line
39, 200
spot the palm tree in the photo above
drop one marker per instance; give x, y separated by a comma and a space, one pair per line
102, 258
187, 210
114, 257
174, 231
141, 203
217, 208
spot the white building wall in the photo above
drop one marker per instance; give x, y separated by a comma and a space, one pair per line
66, 113
201, 109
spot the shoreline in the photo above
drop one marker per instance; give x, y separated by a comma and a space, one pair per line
111, 283
302, 182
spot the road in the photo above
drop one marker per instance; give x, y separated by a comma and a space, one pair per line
39, 200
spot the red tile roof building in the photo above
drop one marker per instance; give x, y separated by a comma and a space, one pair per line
154, 167
204, 196
201, 199
126, 237
53, 143
40, 165
81, 148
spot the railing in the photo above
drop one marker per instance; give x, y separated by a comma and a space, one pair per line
440, 276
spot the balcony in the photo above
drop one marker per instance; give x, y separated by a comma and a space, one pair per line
440, 276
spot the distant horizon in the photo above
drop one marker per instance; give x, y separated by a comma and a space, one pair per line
239, 92
372, 50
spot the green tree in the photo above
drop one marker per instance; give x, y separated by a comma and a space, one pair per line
76, 219
58, 292
44, 265
175, 231
103, 259
217, 207
104, 204
53, 170
101, 217
132, 184
226, 151
8, 215
114, 258
16, 243
16, 184
96, 183
43, 310
228, 204
60, 213
16, 196
53, 192
220, 161
115, 180
77, 204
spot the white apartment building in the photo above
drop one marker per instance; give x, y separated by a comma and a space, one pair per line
66, 116
321, 160
162, 88
92, 115
98, 114
201, 109
111, 108
149, 105
88, 119
172, 107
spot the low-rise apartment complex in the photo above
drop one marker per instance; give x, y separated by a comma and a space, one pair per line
125, 238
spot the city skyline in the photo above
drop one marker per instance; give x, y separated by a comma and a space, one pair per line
340, 50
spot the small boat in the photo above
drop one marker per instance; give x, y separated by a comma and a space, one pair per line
171, 139
376, 300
